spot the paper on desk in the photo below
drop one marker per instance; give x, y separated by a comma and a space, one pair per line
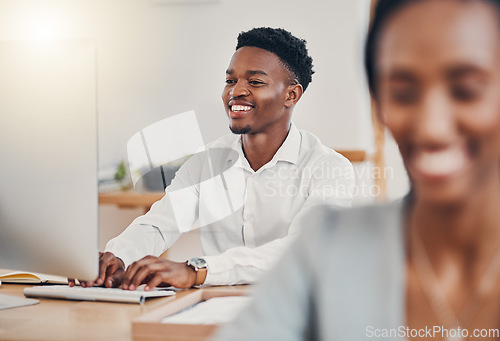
7, 301
214, 311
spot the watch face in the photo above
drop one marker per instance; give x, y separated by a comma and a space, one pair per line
198, 262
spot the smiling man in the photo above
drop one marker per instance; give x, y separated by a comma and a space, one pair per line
270, 170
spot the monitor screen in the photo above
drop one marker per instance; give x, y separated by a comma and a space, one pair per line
48, 158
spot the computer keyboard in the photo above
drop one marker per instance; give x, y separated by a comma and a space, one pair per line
95, 293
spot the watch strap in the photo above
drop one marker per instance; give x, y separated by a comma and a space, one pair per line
201, 275
201, 271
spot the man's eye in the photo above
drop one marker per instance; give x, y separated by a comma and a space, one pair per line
256, 83
230, 81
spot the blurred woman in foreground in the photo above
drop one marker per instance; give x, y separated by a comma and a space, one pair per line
428, 267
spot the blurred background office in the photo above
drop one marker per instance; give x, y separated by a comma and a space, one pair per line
158, 58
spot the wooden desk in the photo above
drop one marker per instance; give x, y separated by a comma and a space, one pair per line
130, 199
72, 320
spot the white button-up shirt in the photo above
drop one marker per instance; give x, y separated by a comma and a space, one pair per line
245, 216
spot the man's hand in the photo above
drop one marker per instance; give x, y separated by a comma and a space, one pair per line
111, 272
154, 271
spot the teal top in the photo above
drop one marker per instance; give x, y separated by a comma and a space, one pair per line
343, 279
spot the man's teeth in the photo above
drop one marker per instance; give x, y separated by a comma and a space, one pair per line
240, 108
441, 162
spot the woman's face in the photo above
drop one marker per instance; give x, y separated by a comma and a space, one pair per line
438, 86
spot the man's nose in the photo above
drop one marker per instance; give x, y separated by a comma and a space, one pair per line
239, 89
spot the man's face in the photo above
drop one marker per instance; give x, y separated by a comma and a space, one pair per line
256, 92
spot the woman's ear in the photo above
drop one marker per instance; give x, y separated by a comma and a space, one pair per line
293, 95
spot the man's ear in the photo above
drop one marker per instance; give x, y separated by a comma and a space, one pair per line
293, 95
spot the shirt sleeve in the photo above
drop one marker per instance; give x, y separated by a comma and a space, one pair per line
332, 184
162, 225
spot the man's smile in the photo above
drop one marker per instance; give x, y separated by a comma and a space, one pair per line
239, 108
236, 108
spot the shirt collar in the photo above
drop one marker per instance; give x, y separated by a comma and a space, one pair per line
288, 152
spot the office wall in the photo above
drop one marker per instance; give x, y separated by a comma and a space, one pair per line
158, 60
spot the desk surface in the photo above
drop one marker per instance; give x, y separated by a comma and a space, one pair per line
129, 199
72, 320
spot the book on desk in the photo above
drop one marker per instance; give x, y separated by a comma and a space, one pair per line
24, 277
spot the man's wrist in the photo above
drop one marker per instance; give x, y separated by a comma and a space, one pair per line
191, 275
121, 262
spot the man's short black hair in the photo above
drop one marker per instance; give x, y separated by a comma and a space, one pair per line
290, 50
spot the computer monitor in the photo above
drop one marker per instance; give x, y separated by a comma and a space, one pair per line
48, 158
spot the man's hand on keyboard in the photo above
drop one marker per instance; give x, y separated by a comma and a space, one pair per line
111, 272
154, 271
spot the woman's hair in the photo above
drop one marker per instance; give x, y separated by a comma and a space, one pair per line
383, 11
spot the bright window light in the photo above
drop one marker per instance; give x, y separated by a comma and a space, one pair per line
44, 25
